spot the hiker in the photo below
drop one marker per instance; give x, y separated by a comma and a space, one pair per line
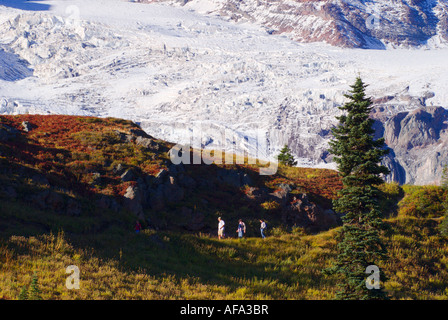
262, 228
241, 229
138, 227
221, 225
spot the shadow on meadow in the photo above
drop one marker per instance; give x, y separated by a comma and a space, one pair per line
268, 267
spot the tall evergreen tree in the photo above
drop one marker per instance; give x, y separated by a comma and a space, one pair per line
285, 157
23, 293
34, 291
358, 157
444, 182
444, 185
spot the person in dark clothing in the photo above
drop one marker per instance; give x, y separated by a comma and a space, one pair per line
138, 227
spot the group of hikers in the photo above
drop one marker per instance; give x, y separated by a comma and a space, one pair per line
241, 230
221, 227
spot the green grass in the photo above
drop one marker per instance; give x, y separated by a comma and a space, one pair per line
168, 262
423, 201
118, 264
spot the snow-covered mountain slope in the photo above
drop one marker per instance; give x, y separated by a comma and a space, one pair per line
182, 74
344, 23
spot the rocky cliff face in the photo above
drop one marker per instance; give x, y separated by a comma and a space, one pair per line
419, 143
343, 23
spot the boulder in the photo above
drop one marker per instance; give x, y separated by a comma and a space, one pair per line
234, 177
27, 126
139, 133
156, 198
7, 132
96, 178
129, 175
172, 191
257, 194
286, 187
123, 137
146, 143
40, 179
160, 176
119, 169
282, 193
246, 180
304, 213
133, 199
107, 203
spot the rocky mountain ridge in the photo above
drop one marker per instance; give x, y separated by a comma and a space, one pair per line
343, 23
418, 140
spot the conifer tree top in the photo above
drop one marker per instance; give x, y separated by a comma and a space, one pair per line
285, 157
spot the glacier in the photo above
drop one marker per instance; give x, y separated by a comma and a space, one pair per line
180, 72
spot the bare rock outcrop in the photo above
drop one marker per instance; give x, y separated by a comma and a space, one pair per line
343, 23
7, 132
304, 213
419, 143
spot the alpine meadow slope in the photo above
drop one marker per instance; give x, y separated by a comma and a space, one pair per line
72, 188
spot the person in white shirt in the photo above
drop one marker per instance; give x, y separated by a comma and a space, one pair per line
262, 228
221, 225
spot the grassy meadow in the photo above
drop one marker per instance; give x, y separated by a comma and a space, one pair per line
168, 261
